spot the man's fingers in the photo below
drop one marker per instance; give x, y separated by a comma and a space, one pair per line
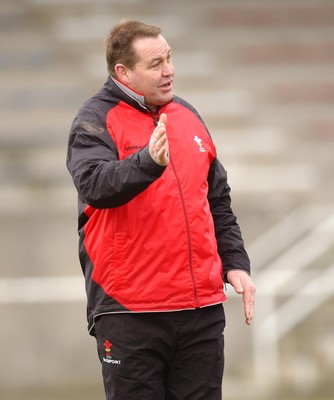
248, 298
243, 284
163, 120
161, 140
160, 130
158, 145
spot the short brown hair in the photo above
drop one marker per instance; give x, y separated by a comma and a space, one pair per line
119, 42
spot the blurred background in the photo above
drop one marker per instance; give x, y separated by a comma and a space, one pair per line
261, 74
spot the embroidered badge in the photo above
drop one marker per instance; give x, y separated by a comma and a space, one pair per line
200, 145
108, 357
107, 348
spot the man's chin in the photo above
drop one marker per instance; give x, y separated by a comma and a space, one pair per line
166, 99
161, 101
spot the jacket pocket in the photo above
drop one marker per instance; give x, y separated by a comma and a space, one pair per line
119, 269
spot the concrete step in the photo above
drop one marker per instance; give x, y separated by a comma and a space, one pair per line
263, 14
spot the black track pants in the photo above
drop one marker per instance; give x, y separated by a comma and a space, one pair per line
162, 356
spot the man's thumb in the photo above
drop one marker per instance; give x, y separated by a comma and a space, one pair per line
237, 285
163, 119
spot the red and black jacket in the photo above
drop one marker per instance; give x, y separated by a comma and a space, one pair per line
152, 238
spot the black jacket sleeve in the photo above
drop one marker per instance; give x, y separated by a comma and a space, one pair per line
229, 239
101, 179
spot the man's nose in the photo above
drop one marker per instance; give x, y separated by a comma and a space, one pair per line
168, 69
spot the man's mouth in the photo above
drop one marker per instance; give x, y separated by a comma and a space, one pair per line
167, 85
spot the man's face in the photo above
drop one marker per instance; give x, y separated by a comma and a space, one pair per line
153, 74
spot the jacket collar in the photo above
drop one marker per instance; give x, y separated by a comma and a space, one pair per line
131, 93
124, 93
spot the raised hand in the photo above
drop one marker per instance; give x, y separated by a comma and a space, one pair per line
158, 145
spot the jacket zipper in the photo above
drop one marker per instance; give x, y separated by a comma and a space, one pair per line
188, 231
155, 117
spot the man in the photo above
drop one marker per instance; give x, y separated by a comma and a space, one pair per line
157, 233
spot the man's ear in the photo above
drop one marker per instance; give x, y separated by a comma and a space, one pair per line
122, 73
